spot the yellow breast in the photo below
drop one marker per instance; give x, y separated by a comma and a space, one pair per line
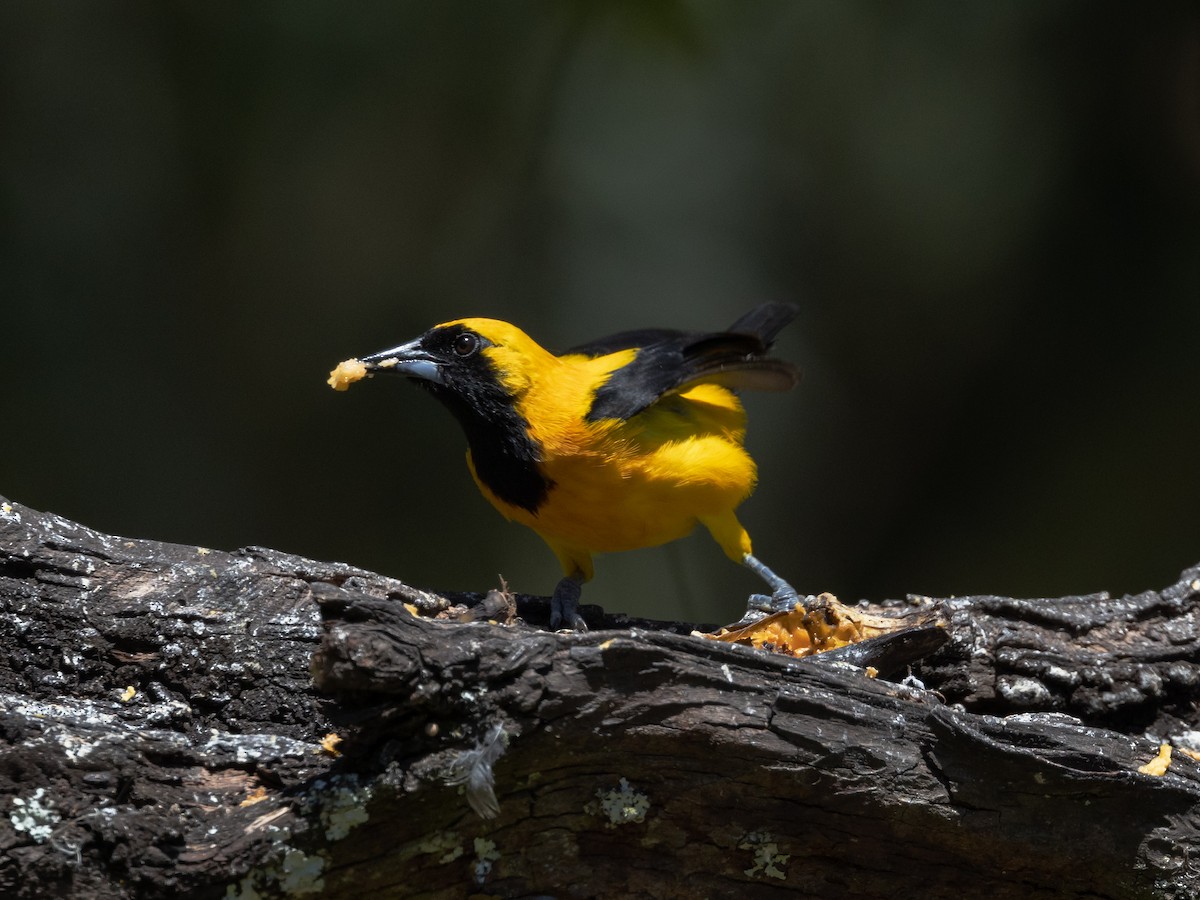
622, 485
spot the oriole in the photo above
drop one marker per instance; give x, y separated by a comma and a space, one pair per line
621, 443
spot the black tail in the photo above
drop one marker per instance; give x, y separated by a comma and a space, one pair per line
766, 321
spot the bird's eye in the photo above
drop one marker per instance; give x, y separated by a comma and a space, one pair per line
466, 344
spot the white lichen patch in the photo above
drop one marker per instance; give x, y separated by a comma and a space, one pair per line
341, 804
70, 726
622, 806
296, 874
485, 855
1021, 690
249, 748
768, 862
446, 843
167, 713
33, 816
74, 747
243, 890
300, 873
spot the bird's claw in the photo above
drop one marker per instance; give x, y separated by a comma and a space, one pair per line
759, 606
783, 597
780, 601
564, 606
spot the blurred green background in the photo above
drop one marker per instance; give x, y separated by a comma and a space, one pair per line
988, 212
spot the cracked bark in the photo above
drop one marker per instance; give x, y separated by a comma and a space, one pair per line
162, 734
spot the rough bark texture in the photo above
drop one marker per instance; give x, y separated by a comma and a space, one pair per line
162, 734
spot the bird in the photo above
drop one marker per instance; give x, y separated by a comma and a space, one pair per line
625, 442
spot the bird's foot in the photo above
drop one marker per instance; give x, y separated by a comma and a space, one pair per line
564, 605
783, 596
773, 603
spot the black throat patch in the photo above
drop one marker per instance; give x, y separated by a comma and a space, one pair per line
506, 457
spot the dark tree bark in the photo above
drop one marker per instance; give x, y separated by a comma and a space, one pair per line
183, 722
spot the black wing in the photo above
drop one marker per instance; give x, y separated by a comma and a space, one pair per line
643, 337
670, 361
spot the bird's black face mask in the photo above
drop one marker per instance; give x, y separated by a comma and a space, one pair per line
449, 362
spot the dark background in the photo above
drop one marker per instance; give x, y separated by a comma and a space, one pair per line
988, 212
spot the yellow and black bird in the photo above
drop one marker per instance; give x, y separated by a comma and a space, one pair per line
621, 443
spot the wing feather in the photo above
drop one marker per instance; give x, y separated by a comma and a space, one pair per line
671, 361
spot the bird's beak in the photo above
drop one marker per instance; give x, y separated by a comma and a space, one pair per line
407, 359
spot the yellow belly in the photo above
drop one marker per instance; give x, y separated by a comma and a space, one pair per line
641, 483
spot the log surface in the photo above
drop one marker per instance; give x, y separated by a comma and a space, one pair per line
184, 722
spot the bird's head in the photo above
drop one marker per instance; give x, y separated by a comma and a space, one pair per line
472, 365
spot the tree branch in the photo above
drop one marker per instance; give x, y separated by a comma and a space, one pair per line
164, 735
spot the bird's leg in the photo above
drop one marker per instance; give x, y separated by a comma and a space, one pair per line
783, 595
564, 604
